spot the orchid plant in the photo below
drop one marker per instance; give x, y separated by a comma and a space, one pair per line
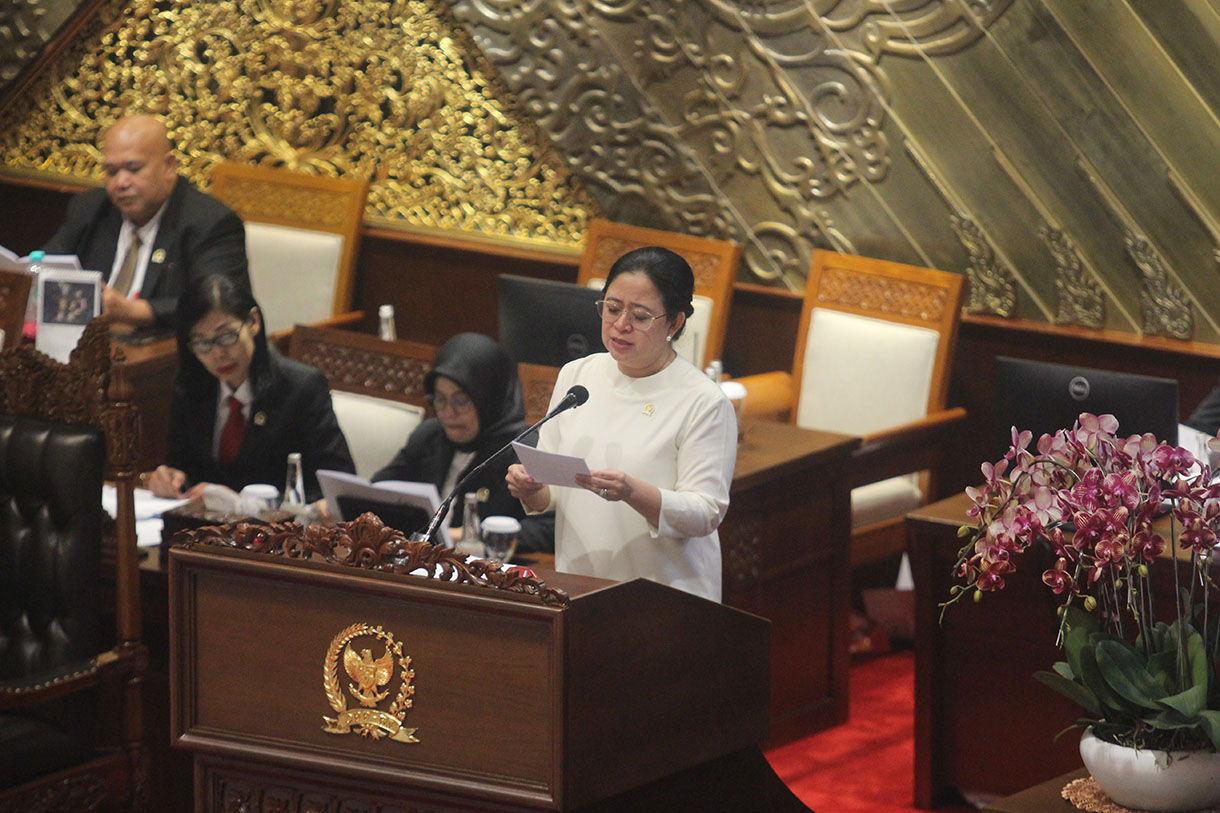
1099, 501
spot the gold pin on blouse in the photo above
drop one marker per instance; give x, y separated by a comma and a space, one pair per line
482, 494
649, 409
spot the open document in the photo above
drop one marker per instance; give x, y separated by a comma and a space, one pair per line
550, 468
148, 510
402, 505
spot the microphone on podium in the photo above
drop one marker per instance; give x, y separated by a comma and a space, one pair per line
574, 397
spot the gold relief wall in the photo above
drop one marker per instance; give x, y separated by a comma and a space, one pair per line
389, 90
769, 122
1061, 154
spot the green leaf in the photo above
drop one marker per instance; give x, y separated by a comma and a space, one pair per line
1064, 670
1209, 721
1161, 642
1124, 671
1080, 626
1196, 656
1188, 703
1163, 666
1167, 721
1093, 679
1077, 693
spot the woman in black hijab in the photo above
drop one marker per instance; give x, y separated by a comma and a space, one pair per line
473, 388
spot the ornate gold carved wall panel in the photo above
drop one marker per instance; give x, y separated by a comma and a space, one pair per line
935, 132
1059, 153
390, 90
763, 122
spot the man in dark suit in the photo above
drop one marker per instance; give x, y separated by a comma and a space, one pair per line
149, 231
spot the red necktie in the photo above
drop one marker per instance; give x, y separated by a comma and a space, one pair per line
233, 432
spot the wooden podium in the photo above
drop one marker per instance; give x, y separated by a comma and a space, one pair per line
490, 691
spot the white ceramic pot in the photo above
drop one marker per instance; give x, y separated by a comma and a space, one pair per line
1145, 779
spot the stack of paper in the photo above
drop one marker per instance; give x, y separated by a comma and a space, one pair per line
148, 512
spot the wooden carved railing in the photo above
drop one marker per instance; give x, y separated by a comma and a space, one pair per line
366, 542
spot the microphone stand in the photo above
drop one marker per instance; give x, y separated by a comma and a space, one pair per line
427, 533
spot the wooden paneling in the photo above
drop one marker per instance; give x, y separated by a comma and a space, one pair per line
784, 545
762, 330
30, 213
515, 702
1195, 366
441, 286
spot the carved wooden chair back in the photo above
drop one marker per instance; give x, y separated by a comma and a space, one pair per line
537, 384
873, 356
302, 238
714, 263
377, 387
874, 344
62, 426
14, 292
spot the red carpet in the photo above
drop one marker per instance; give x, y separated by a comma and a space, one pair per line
867, 764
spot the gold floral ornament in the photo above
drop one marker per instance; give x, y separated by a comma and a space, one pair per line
393, 91
369, 674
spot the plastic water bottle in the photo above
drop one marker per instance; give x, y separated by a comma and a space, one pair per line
471, 542
31, 304
294, 488
385, 325
714, 370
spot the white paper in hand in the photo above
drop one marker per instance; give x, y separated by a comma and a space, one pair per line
550, 468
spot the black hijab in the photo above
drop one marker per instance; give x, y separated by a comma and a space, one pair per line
478, 365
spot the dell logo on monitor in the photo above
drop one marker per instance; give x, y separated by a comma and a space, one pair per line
1078, 388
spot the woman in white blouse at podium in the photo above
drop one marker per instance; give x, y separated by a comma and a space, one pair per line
659, 437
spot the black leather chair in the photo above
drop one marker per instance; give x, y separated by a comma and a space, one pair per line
69, 680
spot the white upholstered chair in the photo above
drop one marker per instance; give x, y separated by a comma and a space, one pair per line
873, 356
377, 387
714, 263
302, 239
375, 428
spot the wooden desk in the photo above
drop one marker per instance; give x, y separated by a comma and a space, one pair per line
602, 704
150, 369
170, 774
982, 723
1047, 796
785, 549
976, 701
785, 545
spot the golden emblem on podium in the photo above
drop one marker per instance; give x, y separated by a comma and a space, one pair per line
373, 679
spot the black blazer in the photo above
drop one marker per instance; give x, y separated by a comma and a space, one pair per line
291, 412
426, 459
198, 236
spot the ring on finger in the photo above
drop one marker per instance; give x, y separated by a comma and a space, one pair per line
604, 494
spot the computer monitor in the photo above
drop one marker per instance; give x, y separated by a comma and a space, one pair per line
548, 322
1044, 397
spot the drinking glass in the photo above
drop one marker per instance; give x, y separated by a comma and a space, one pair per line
259, 498
500, 538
